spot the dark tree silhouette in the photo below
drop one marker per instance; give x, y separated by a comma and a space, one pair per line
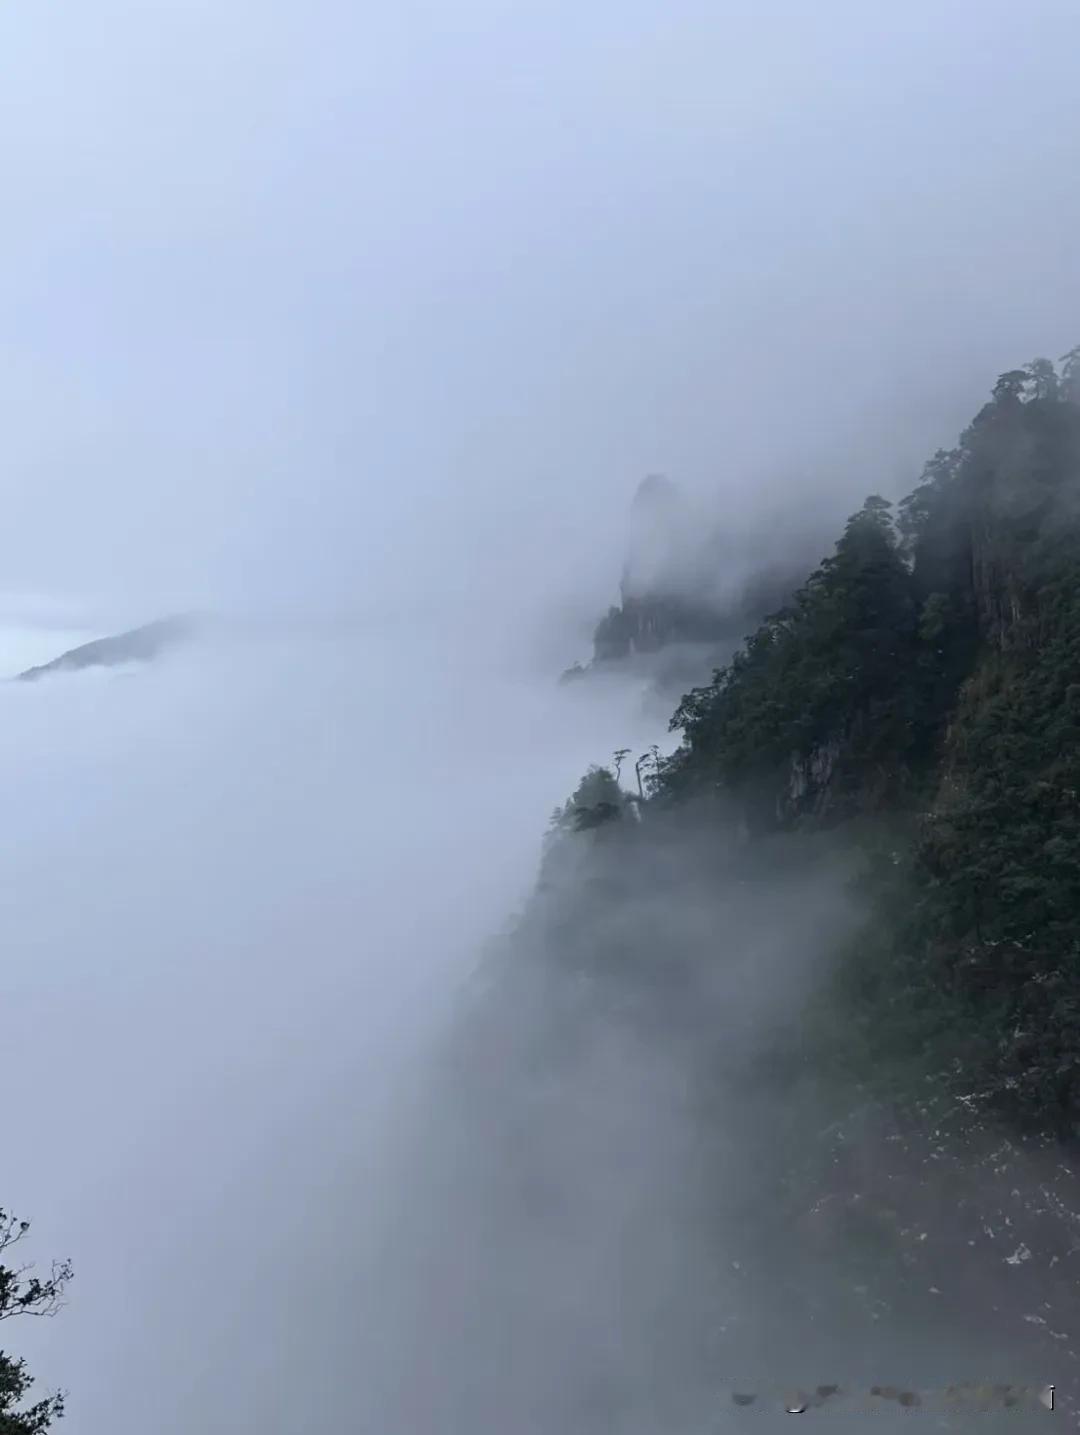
22, 1293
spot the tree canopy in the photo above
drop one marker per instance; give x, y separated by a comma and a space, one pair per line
929, 670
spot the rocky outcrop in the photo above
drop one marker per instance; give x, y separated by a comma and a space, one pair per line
648, 623
1001, 599
697, 579
809, 782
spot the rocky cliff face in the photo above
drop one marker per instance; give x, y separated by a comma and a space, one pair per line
651, 621
997, 592
690, 582
809, 788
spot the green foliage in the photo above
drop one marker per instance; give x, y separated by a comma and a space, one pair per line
834, 666
596, 800
929, 671
999, 859
24, 1294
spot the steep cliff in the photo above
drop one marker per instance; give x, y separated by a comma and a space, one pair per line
694, 583
815, 1227
925, 680
847, 909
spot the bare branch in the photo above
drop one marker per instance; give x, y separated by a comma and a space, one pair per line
20, 1292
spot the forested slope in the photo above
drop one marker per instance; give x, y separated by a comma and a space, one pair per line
732, 1106
843, 913
920, 698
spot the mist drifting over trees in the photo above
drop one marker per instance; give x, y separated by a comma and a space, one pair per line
396, 1038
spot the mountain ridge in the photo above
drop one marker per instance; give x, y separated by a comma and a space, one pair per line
141, 644
918, 696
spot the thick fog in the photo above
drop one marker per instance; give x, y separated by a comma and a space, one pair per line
294, 293
241, 890
362, 324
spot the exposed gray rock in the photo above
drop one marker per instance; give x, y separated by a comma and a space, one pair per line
809, 780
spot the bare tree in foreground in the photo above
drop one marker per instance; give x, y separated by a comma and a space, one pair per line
22, 1293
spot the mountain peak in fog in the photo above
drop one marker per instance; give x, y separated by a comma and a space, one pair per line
137, 645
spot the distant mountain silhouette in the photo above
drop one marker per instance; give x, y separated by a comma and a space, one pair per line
138, 645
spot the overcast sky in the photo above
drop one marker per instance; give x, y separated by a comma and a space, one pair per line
333, 303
